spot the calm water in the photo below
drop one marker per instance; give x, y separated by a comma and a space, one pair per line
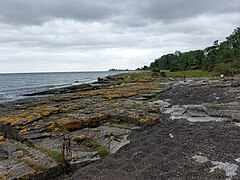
14, 86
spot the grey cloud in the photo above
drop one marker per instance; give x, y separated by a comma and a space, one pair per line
125, 12
179, 9
37, 12
65, 35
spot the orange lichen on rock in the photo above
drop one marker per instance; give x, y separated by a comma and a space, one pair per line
52, 125
40, 107
154, 110
55, 110
46, 113
92, 120
70, 107
4, 174
86, 121
33, 117
146, 121
24, 130
71, 124
120, 92
82, 137
135, 116
109, 101
1, 139
149, 119
5, 120
21, 118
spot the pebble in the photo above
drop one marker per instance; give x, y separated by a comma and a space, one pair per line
171, 136
136, 128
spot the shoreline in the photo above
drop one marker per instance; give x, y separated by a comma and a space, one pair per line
50, 89
124, 118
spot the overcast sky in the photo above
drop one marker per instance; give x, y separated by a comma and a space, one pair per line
88, 35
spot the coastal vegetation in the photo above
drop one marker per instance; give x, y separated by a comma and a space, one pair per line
221, 58
191, 74
212, 106
101, 149
56, 155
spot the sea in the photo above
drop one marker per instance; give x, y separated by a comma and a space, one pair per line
13, 86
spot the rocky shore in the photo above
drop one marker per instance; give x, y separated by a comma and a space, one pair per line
134, 126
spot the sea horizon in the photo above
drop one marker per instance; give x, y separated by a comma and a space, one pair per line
15, 85
90, 71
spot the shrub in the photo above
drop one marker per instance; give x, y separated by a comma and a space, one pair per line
101, 149
227, 69
223, 68
163, 74
56, 155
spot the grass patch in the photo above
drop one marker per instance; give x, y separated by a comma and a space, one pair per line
211, 106
136, 76
191, 74
101, 149
56, 155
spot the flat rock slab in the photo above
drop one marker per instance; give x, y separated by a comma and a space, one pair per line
23, 161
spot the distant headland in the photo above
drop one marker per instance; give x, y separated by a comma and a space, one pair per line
120, 70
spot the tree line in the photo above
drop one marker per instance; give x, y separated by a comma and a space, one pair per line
221, 57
